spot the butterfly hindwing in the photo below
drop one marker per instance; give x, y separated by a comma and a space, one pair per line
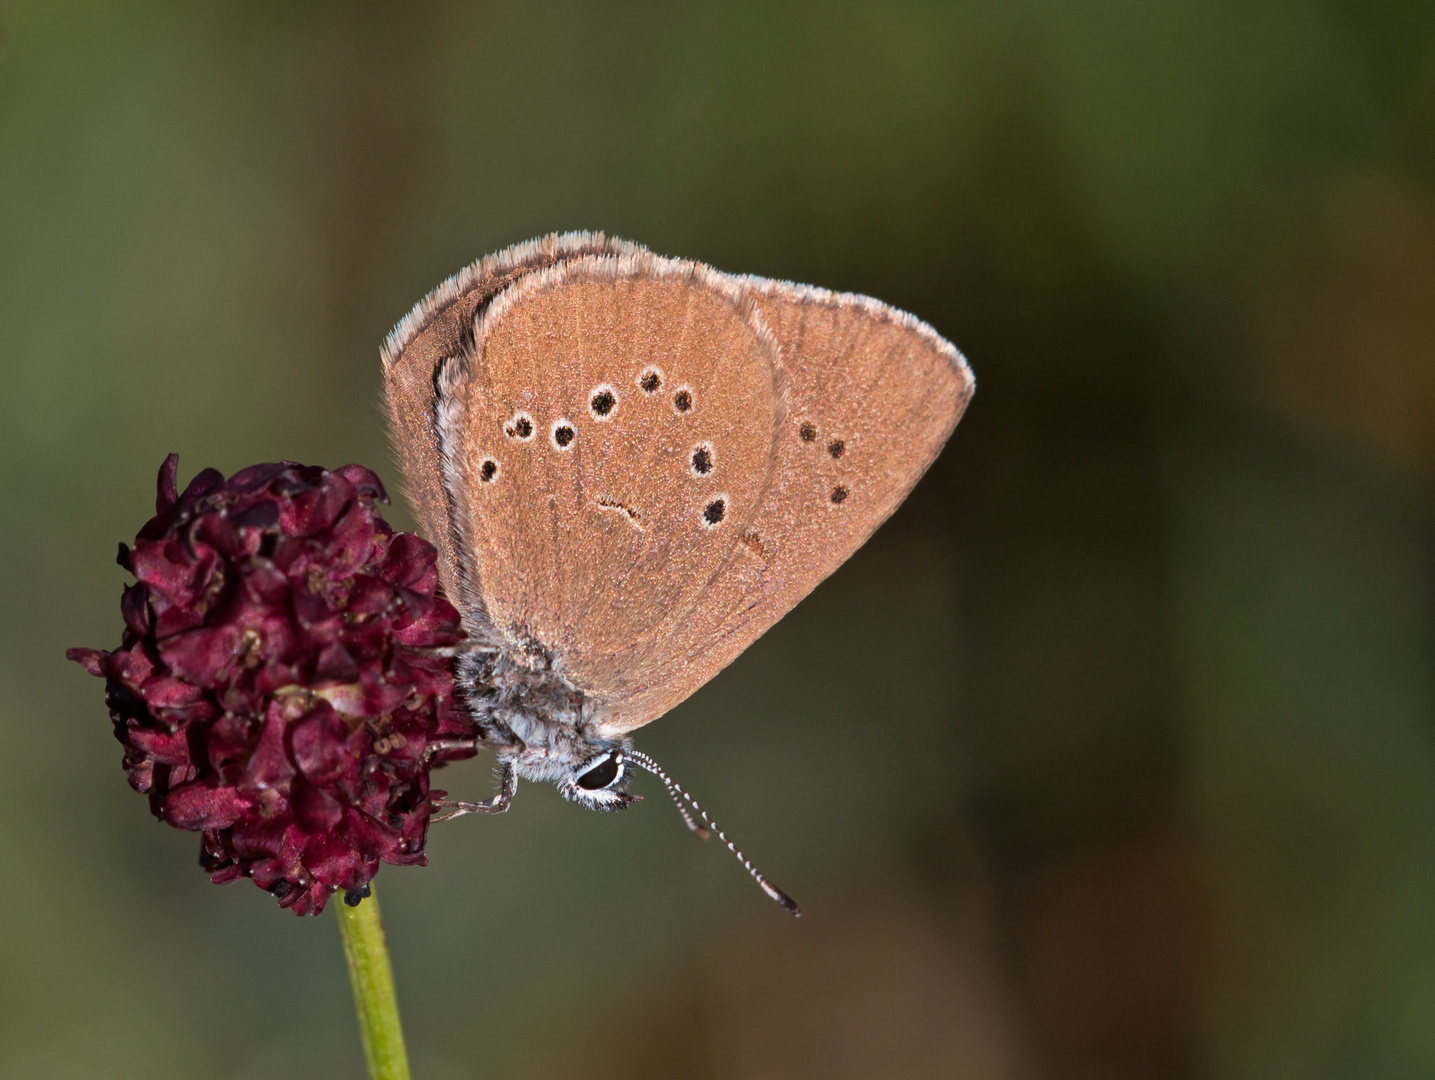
433, 332
606, 440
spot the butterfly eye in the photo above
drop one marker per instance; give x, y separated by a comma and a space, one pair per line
602, 774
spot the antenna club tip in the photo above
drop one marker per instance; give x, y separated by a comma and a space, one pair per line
788, 903
702, 833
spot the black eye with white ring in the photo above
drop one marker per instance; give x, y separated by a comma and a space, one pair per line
608, 769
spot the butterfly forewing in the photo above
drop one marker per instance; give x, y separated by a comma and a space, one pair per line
640, 464
871, 397
610, 438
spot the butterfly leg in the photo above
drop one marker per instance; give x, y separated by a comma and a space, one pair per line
507, 788
441, 746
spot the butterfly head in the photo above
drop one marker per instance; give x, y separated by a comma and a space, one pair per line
594, 774
599, 782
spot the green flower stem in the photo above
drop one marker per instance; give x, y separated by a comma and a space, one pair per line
373, 980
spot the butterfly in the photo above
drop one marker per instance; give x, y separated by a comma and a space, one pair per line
631, 467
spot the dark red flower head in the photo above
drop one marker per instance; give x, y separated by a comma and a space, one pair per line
282, 679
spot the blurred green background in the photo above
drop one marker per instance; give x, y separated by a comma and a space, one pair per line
1112, 755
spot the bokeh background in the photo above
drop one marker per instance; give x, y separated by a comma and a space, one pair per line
1112, 755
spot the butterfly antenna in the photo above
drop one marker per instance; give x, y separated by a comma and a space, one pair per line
676, 792
679, 796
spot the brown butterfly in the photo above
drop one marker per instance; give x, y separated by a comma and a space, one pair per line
632, 466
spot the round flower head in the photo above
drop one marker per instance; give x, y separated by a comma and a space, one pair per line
283, 684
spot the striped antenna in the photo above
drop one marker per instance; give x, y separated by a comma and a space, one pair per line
679, 797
